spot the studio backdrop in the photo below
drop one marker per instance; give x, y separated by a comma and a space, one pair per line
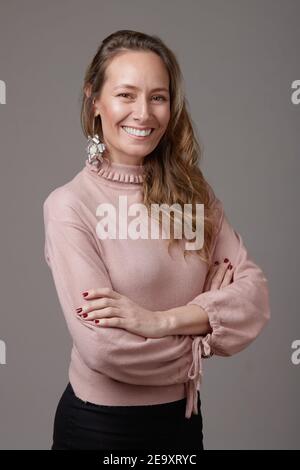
240, 64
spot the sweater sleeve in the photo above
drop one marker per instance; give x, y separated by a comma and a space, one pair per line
72, 254
238, 312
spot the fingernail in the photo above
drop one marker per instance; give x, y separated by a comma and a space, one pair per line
96, 321
226, 260
85, 294
216, 263
230, 266
84, 315
78, 310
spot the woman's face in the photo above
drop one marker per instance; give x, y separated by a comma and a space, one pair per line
135, 95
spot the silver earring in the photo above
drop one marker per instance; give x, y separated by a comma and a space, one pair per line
94, 147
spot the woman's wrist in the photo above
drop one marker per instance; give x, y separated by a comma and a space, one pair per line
186, 320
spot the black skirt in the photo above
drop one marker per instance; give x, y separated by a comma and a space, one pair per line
80, 425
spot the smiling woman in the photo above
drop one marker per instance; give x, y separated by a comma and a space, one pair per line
141, 119
134, 383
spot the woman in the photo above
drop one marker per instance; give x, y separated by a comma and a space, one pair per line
143, 310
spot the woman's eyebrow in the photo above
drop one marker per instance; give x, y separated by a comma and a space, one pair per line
127, 85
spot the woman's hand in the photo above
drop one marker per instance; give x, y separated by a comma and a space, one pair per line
106, 307
220, 275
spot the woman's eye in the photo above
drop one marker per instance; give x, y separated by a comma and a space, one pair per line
162, 98
124, 95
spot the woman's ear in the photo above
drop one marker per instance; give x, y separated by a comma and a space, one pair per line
87, 90
96, 107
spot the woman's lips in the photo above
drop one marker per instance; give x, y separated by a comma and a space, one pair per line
139, 137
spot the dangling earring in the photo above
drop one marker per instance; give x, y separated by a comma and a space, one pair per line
94, 147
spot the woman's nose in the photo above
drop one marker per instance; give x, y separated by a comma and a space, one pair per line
141, 109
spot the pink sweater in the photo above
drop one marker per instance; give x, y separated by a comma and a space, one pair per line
111, 366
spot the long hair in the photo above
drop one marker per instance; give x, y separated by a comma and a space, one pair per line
171, 171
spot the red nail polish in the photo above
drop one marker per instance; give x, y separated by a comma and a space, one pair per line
230, 266
216, 263
85, 294
226, 260
96, 321
84, 315
78, 310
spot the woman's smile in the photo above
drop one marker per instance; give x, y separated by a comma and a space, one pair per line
136, 133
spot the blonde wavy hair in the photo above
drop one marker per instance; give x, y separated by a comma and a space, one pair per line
171, 171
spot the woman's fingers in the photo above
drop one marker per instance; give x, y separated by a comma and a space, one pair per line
97, 304
212, 271
98, 314
97, 300
101, 292
227, 279
218, 277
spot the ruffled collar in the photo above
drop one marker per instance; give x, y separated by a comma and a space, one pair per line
116, 171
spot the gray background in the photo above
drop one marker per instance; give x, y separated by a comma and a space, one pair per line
238, 58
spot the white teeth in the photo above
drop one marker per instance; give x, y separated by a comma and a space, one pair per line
132, 130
